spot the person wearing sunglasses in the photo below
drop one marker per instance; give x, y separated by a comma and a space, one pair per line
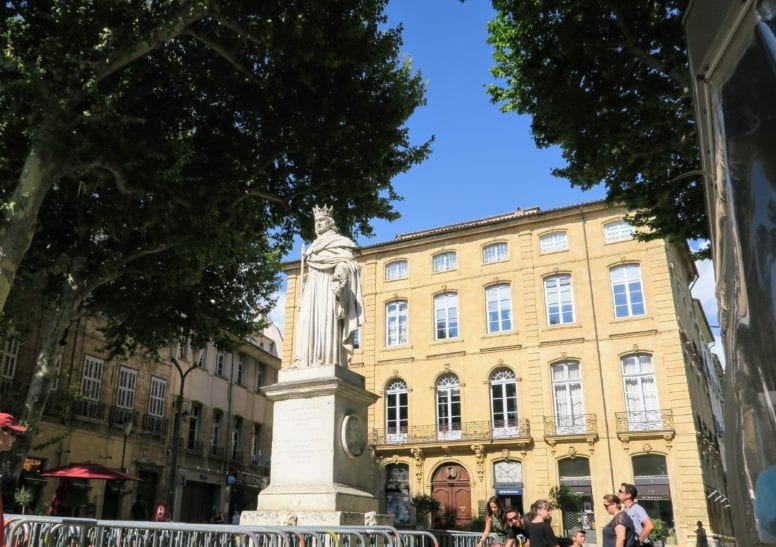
9, 429
641, 521
517, 535
620, 531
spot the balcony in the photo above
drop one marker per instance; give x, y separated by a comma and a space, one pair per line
193, 446
460, 432
217, 451
649, 424
90, 410
118, 416
154, 425
580, 427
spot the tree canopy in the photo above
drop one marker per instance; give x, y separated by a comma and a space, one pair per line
278, 104
608, 82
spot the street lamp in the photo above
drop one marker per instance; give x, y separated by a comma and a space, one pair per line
127, 431
176, 429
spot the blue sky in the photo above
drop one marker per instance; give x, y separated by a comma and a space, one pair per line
483, 162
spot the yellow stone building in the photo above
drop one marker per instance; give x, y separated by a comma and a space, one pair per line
535, 349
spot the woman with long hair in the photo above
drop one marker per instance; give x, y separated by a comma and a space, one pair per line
620, 531
494, 522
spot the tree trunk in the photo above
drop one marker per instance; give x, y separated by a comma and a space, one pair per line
20, 213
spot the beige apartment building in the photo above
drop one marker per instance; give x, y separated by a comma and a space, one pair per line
120, 413
535, 349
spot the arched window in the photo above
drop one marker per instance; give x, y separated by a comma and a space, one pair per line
559, 299
397, 492
396, 412
550, 243
446, 316
499, 304
496, 252
503, 403
638, 376
567, 395
396, 321
396, 270
618, 230
626, 290
444, 262
448, 398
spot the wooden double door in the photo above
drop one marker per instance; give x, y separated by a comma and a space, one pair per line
452, 489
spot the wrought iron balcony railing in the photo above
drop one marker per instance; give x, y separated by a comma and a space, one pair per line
191, 445
119, 416
94, 410
645, 421
579, 424
217, 451
155, 425
460, 431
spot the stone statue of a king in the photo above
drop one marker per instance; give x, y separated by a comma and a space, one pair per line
332, 305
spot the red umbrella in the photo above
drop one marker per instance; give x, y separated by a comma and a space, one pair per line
88, 470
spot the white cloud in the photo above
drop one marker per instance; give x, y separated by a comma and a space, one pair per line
704, 290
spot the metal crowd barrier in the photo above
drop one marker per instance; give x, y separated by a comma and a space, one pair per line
41, 531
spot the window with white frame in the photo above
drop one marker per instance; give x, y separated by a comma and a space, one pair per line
215, 434
444, 261
396, 412
9, 354
237, 438
559, 299
567, 396
498, 300
192, 437
627, 291
125, 395
396, 270
220, 363
182, 350
617, 231
240, 370
259, 375
446, 316
503, 403
556, 241
396, 321
448, 399
496, 252
156, 395
638, 376
92, 378
202, 358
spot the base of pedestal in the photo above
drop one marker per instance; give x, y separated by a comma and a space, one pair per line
316, 498
313, 518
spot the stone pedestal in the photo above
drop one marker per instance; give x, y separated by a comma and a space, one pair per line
320, 459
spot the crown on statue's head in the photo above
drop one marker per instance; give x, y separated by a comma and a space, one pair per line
325, 211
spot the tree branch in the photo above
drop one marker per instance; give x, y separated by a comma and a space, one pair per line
632, 46
155, 38
217, 48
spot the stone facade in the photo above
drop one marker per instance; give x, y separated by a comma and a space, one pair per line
97, 395
450, 375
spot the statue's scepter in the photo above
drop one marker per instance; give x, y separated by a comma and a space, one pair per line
301, 283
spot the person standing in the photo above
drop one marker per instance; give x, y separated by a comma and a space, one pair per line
494, 522
620, 531
540, 532
9, 429
332, 305
700, 536
641, 521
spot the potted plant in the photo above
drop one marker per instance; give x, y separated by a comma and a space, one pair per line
660, 532
23, 498
424, 506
